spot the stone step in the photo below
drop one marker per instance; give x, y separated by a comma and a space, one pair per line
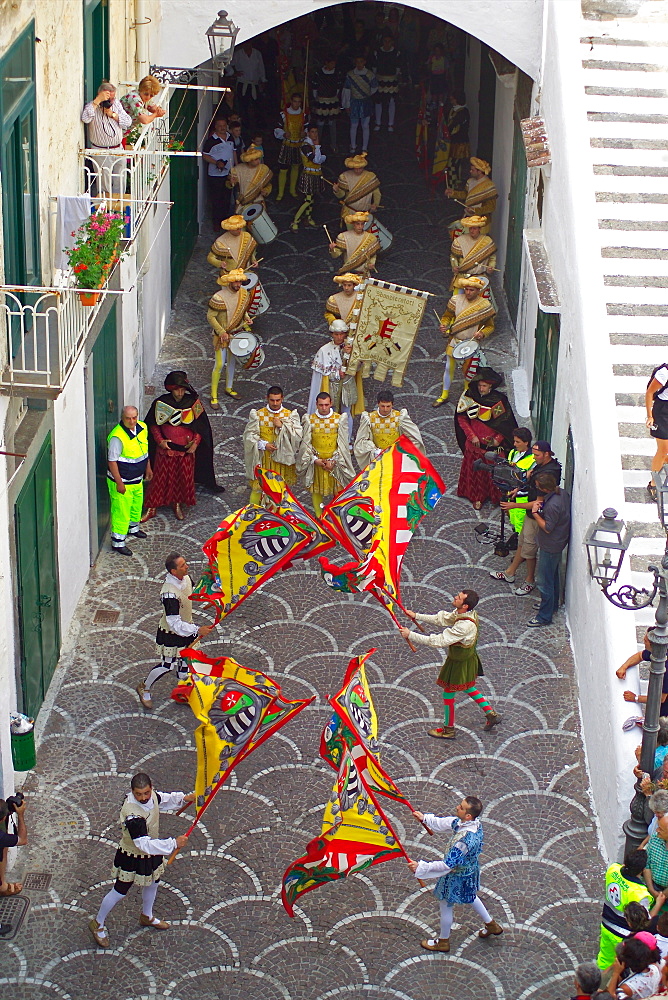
628, 142
635, 260
620, 367
619, 66
639, 340
627, 77
620, 154
612, 240
633, 225
614, 41
629, 118
643, 462
617, 187
629, 170
626, 104
604, 89
635, 281
637, 494
633, 30
614, 129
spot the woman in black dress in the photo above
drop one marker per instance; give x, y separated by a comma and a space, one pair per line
656, 404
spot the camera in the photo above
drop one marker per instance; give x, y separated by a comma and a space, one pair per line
506, 477
105, 104
13, 801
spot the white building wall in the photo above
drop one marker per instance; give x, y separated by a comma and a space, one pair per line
512, 27
154, 264
503, 160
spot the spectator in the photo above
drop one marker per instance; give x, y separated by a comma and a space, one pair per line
437, 75
658, 803
656, 405
662, 935
106, 122
553, 516
636, 916
248, 68
641, 699
138, 105
526, 544
656, 872
636, 972
587, 980
623, 884
18, 838
218, 153
237, 142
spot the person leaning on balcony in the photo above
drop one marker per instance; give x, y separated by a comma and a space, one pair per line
656, 404
127, 466
106, 118
138, 105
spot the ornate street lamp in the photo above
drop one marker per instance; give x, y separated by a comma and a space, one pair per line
221, 36
607, 540
660, 480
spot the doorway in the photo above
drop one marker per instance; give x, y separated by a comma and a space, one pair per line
546, 358
183, 183
516, 202
39, 630
105, 413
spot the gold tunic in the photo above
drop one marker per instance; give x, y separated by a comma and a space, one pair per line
324, 439
385, 430
230, 251
339, 306
270, 434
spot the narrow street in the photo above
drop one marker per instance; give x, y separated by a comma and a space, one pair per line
542, 873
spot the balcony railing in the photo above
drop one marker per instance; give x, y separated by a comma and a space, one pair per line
44, 330
128, 179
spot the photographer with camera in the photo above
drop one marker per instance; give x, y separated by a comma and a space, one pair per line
106, 121
527, 546
11, 815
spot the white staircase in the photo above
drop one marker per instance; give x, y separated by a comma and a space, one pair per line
625, 62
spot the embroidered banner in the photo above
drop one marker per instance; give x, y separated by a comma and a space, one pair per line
384, 325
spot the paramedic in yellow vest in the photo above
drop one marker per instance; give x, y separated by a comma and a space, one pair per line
272, 438
127, 466
381, 428
520, 455
623, 884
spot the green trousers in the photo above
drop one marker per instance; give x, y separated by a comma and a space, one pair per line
125, 511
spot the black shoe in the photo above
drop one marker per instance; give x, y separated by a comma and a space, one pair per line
215, 488
122, 550
138, 534
5, 929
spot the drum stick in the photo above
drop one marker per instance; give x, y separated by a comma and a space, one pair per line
437, 316
328, 236
331, 183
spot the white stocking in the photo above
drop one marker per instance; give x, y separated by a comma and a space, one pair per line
107, 905
481, 910
366, 128
148, 895
353, 135
446, 919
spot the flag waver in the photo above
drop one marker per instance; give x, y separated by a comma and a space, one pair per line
355, 835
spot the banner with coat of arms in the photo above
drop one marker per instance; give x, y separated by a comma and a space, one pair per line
388, 317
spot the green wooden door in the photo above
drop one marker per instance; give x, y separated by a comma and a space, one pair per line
513, 268
545, 363
106, 412
183, 178
37, 581
96, 45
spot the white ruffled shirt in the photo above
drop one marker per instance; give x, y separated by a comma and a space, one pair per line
439, 824
169, 801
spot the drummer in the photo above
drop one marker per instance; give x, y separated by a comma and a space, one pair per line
358, 246
252, 178
341, 304
227, 314
472, 252
357, 188
468, 316
235, 247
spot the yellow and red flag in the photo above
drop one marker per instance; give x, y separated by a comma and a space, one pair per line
285, 503
238, 709
249, 546
355, 835
374, 519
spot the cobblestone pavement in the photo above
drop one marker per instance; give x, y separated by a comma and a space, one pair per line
359, 938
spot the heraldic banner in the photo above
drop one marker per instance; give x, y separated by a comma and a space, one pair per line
387, 325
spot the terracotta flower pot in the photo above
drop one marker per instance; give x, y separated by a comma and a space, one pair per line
89, 298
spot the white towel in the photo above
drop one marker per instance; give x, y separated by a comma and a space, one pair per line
72, 213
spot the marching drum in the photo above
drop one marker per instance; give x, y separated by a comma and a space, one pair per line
262, 228
471, 356
378, 229
259, 298
247, 350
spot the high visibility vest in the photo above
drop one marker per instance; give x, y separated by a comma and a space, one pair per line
133, 459
619, 892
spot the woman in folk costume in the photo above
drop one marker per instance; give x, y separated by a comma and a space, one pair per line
359, 247
358, 188
484, 421
479, 195
324, 454
271, 439
253, 178
235, 248
291, 133
180, 447
310, 183
468, 316
341, 304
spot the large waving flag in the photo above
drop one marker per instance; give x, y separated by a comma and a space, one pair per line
249, 546
285, 503
238, 709
355, 835
374, 519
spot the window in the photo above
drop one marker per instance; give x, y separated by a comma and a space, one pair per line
18, 162
96, 45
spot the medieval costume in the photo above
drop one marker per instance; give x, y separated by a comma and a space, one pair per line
141, 858
359, 249
387, 67
235, 248
472, 254
341, 304
327, 99
175, 632
479, 196
466, 317
227, 315
458, 122
357, 95
483, 422
325, 437
310, 183
357, 188
177, 429
376, 433
458, 875
291, 133
281, 428
329, 375
253, 179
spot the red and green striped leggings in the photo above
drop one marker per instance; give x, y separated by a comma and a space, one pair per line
449, 703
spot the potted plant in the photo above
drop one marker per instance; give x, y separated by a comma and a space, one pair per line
95, 253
